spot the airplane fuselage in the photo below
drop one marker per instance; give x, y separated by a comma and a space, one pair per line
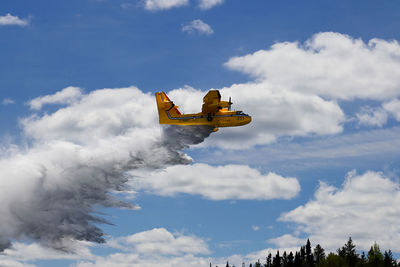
221, 118
213, 114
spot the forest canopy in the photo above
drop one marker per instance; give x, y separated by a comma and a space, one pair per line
346, 256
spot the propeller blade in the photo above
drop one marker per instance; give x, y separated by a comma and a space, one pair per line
230, 103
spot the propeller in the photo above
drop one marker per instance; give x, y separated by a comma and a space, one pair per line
230, 103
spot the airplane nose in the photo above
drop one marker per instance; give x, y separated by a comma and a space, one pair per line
248, 119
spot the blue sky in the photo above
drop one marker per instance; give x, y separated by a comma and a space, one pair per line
80, 131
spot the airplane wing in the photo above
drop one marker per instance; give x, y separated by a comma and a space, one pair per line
212, 102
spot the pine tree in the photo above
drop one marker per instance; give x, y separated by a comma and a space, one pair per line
362, 262
333, 260
375, 257
284, 259
388, 260
350, 254
309, 257
319, 254
341, 252
276, 261
302, 254
297, 260
290, 260
269, 260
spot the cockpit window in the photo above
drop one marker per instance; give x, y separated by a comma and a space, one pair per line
241, 113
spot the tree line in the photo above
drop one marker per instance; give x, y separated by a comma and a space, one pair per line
345, 256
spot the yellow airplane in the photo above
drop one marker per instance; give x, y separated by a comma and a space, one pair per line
214, 112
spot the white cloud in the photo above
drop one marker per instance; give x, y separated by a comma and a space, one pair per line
160, 241
255, 256
217, 183
134, 260
86, 148
287, 240
159, 247
99, 114
5, 262
107, 129
155, 5
367, 208
9, 19
68, 95
32, 252
372, 116
7, 101
198, 26
329, 64
78, 155
393, 107
22, 254
155, 247
207, 4
145, 249
141, 249
188, 98
296, 88
275, 112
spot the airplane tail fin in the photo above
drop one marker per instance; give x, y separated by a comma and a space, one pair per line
166, 108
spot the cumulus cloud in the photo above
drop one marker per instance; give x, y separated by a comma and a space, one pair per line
134, 260
275, 112
287, 240
140, 249
261, 254
155, 247
155, 5
78, 155
68, 95
100, 114
27, 254
13, 263
145, 249
366, 208
9, 19
207, 4
296, 88
198, 26
87, 149
393, 107
329, 64
159, 241
91, 147
218, 183
31, 252
372, 116
163, 248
